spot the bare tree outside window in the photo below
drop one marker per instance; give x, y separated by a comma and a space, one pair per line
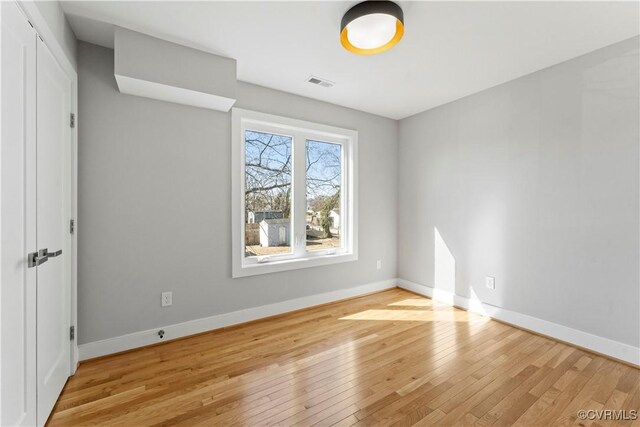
268, 225
296, 207
324, 180
268, 194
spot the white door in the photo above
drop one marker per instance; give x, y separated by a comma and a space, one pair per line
18, 219
53, 141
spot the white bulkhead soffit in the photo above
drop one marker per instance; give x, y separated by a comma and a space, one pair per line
154, 68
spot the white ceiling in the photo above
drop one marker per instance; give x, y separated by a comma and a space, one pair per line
449, 50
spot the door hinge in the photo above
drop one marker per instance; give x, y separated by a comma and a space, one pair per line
72, 226
72, 121
72, 333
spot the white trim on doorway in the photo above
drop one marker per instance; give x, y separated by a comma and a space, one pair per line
42, 28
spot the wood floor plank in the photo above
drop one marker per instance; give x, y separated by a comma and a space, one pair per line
390, 358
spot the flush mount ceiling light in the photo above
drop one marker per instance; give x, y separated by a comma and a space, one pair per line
372, 27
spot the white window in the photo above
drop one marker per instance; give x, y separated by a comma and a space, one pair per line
294, 194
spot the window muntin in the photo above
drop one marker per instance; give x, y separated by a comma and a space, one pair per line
281, 189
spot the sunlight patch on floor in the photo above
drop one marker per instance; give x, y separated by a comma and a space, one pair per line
410, 315
415, 302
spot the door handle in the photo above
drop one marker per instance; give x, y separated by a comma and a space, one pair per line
35, 259
52, 254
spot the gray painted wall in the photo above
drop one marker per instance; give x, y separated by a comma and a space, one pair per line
53, 14
534, 182
154, 206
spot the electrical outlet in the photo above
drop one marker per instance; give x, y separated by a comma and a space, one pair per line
379, 264
167, 299
490, 282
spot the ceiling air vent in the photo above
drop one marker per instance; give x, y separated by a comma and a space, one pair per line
320, 82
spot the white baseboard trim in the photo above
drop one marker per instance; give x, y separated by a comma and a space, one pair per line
588, 341
150, 336
605, 346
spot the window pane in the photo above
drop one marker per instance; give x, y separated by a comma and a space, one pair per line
324, 200
268, 227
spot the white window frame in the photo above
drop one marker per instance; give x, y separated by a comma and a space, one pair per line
300, 131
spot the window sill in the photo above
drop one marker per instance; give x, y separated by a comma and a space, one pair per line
291, 264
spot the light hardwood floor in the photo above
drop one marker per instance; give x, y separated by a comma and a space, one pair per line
391, 358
